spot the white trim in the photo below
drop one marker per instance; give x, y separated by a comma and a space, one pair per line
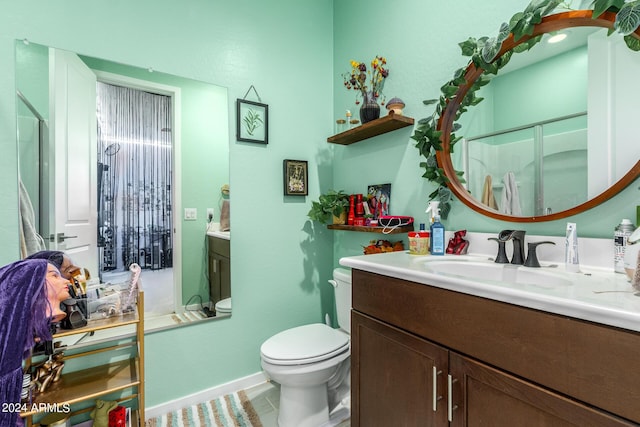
176, 131
206, 395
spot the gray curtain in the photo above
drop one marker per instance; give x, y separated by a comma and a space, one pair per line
134, 178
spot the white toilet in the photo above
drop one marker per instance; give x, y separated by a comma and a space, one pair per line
312, 364
223, 307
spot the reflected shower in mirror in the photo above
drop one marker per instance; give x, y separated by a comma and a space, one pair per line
552, 134
124, 151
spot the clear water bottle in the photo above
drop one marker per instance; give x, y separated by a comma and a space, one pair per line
620, 237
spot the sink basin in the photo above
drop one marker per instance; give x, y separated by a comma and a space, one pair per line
221, 234
489, 271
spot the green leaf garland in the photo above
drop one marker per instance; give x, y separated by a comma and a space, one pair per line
483, 53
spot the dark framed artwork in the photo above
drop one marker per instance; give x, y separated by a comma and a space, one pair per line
252, 121
296, 178
379, 199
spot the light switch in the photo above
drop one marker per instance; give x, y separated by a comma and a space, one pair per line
190, 214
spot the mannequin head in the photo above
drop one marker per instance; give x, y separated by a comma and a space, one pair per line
59, 259
57, 291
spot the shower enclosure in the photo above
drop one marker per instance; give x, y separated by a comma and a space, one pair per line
134, 178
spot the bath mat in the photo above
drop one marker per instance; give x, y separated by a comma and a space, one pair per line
231, 410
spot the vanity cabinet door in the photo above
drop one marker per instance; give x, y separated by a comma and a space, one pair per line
392, 376
219, 269
484, 396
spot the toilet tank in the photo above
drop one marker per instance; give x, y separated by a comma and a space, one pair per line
342, 285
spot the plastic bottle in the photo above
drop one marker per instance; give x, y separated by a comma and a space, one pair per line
359, 216
433, 209
351, 216
437, 237
419, 241
620, 237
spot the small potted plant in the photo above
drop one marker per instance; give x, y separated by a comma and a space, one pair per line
332, 204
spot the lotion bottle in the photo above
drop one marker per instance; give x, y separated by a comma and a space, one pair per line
437, 236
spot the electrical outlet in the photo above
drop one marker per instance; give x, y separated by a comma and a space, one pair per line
190, 214
209, 214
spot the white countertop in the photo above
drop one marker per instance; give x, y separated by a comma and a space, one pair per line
620, 308
220, 234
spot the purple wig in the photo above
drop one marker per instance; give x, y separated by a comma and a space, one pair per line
23, 317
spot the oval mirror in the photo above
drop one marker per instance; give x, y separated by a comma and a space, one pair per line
553, 135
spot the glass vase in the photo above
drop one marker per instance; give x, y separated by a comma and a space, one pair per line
370, 110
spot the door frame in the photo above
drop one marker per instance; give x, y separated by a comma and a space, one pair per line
176, 161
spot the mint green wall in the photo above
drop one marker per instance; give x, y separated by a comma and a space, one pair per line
294, 53
420, 40
284, 48
32, 75
521, 105
509, 103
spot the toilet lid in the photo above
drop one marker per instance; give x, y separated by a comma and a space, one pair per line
223, 305
304, 344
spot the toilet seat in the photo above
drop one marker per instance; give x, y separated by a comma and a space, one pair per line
304, 344
223, 306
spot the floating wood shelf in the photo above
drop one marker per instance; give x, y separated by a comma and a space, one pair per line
366, 229
373, 128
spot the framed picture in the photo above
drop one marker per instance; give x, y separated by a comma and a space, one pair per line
252, 121
379, 199
296, 178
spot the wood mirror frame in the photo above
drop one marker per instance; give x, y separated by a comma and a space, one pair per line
560, 21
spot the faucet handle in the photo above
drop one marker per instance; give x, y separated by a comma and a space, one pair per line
532, 257
501, 258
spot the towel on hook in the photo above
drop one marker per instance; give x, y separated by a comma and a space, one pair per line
225, 224
510, 196
30, 241
487, 194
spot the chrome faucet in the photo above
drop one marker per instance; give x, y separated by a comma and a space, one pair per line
517, 236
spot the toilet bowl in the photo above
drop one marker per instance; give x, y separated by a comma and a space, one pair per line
223, 307
312, 364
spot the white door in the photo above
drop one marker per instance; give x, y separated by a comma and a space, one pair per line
73, 133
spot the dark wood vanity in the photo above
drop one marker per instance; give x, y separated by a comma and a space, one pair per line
426, 356
219, 269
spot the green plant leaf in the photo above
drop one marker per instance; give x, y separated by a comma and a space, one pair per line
468, 46
449, 90
515, 20
491, 49
445, 209
601, 6
460, 72
628, 18
632, 42
504, 32
534, 5
549, 7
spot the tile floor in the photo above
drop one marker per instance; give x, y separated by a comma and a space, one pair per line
265, 399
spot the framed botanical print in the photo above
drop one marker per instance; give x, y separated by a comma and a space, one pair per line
252, 121
296, 178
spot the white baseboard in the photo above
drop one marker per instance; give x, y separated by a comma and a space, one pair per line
206, 395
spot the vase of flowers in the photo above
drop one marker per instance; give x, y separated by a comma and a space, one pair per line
369, 83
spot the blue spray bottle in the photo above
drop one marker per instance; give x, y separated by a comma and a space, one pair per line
437, 236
